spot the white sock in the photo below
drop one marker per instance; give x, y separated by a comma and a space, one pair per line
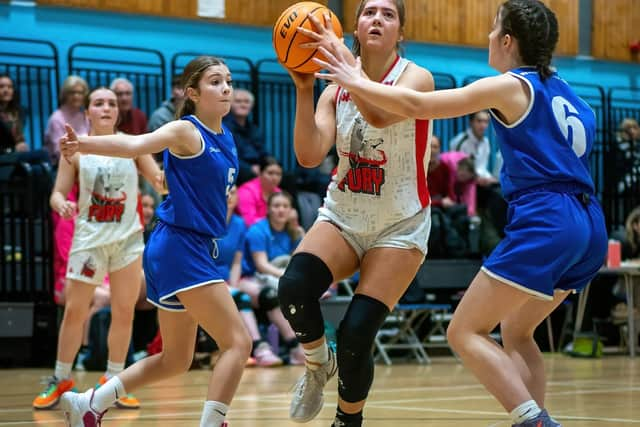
63, 370
107, 393
318, 356
213, 414
525, 411
113, 368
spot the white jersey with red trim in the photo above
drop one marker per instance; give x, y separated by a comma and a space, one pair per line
108, 209
381, 177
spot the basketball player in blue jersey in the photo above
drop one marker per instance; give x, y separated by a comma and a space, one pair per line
200, 164
556, 238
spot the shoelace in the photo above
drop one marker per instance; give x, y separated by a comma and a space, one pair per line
51, 382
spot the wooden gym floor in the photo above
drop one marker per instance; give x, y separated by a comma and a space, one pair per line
582, 392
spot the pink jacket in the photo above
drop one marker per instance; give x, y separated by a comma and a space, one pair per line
251, 205
465, 191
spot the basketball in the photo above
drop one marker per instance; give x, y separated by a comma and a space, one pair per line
286, 40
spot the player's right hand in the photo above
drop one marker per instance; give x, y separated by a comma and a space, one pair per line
69, 143
67, 210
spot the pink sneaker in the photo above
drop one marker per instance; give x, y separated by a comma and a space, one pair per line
77, 409
265, 357
296, 356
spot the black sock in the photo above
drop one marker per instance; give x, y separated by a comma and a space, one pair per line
348, 420
256, 343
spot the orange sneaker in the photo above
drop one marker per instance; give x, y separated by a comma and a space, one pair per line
125, 402
51, 396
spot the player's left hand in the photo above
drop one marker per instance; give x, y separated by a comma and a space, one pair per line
323, 35
339, 69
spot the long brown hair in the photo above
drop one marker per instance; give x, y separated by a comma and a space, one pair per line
293, 232
632, 237
401, 15
191, 77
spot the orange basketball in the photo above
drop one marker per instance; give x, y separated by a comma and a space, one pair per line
286, 40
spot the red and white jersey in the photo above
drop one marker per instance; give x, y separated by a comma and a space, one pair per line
108, 209
381, 177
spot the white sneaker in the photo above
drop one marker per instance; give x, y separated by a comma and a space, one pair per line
308, 398
77, 409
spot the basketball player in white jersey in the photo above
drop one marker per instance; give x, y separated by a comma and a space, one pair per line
107, 239
376, 215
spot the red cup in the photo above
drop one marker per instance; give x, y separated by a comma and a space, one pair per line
613, 254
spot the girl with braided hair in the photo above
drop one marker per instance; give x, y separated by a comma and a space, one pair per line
555, 239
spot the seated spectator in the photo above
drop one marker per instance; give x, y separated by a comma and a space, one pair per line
439, 177
627, 156
248, 137
11, 118
631, 240
148, 203
475, 143
229, 261
316, 180
462, 183
253, 194
269, 245
71, 110
131, 120
167, 111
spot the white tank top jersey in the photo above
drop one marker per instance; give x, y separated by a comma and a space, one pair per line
381, 177
108, 209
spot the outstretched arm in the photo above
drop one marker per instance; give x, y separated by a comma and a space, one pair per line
180, 136
325, 39
503, 93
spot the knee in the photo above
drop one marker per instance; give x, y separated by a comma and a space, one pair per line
513, 333
122, 313
306, 278
176, 362
455, 335
75, 312
268, 298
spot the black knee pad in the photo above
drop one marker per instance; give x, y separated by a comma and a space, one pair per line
356, 335
268, 298
304, 281
243, 301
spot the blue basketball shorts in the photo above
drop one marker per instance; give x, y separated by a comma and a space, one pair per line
553, 241
176, 260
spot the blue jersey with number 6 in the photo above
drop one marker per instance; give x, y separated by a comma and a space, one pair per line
199, 184
551, 143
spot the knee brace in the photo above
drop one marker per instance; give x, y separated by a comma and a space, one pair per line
356, 335
304, 281
268, 298
242, 300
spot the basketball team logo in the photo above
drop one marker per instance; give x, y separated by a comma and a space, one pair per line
366, 173
107, 198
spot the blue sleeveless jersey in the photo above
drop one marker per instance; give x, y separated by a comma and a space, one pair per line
199, 184
551, 143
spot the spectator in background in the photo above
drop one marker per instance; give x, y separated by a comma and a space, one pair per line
631, 241
167, 111
628, 155
11, 118
148, 203
71, 110
462, 180
253, 194
438, 177
248, 137
474, 142
229, 261
269, 245
131, 119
